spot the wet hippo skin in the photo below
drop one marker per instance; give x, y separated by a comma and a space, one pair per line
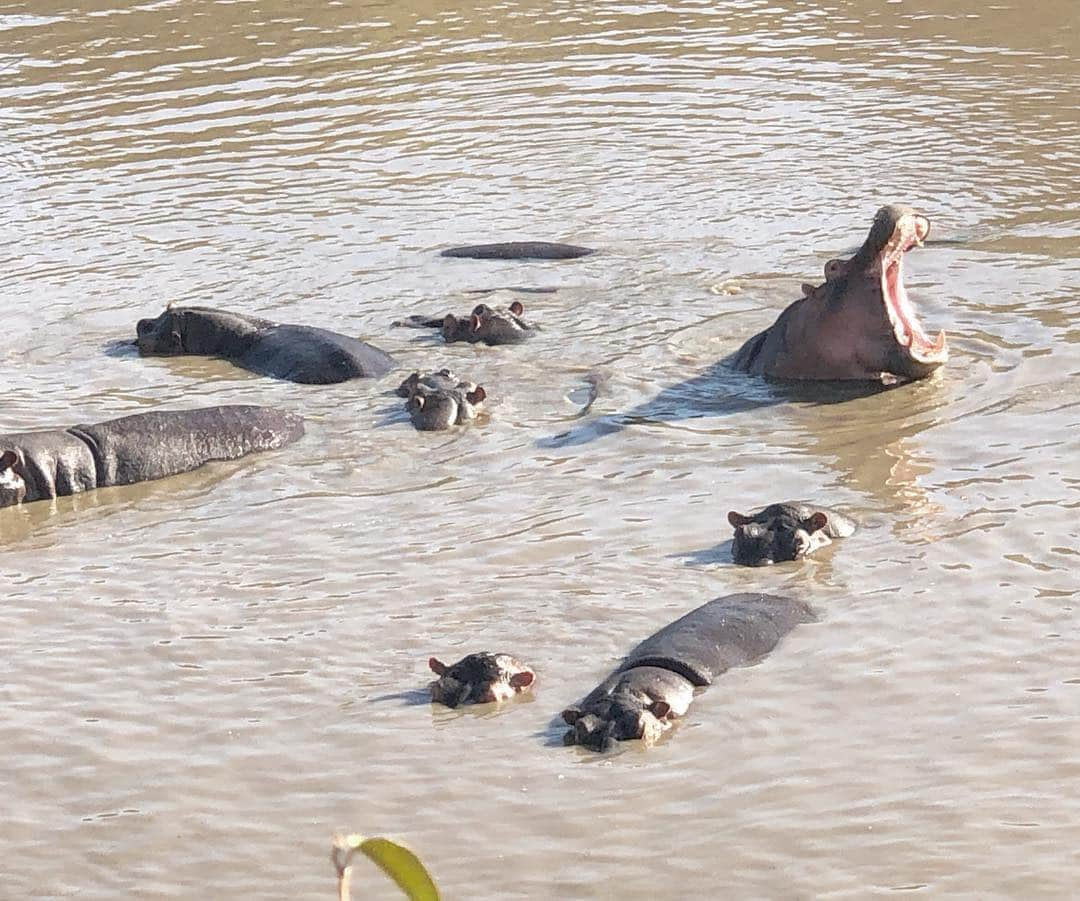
858, 324
785, 531
655, 683
298, 353
480, 678
490, 325
440, 400
519, 250
138, 448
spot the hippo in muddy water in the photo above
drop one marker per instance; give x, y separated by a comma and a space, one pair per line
137, 448
655, 683
481, 678
519, 250
785, 531
490, 325
298, 353
859, 324
440, 400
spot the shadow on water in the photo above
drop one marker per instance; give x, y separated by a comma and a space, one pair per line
718, 391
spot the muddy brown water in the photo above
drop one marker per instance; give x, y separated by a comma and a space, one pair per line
204, 677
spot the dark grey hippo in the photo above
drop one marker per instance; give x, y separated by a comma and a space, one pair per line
490, 325
785, 531
299, 353
440, 399
479, 679
139, 448
655, 683
858, 324
519, 250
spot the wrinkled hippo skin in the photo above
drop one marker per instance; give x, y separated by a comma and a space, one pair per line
519, 250
491, 325
299, 353
656, 682
139, 448
859, 324
785, 531
481, 678
440, 400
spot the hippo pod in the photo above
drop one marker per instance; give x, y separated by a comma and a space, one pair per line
858, 324
479, 679
786, 531
440, 399
299, 353
655, 683
139, 448
519, 250
490, 325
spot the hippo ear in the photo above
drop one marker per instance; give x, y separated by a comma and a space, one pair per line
476, 322
437, 666
517, 308
8, 459
817, 521
476, 396
170, 305
522, 680
571, 715
417, 400
660, 709
737, 519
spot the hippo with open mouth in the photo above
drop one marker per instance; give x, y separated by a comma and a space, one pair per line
490, 325
519, 250
858, 324
482, 678
439, 400
655, 683
139, 448
298, 353
786, 531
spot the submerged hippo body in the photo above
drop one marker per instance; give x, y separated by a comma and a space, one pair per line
858, 324
655, 683
299, 353
481, 678
786, 531
490, 325
519, 250
440, 400
138, 448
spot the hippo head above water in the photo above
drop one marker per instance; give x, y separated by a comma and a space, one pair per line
481, 678
491, 325
12, 485
440, 400
859, 323
787, 531
161, 336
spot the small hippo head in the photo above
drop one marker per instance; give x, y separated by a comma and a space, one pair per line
439, 401
160, 336
779, 532
12, 485
488, 324
481, 678
616, 719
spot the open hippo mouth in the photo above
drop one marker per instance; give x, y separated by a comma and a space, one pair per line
910, 230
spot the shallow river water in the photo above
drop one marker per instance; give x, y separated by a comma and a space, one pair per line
205, 677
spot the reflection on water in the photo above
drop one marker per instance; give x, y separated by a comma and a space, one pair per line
230, 660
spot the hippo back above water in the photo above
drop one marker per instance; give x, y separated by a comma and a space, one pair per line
519, 250
298, 353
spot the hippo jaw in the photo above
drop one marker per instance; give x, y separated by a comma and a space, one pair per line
12, 485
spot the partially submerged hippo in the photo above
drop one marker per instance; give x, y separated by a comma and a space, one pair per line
299, 353
491, 325
47, 464
655, 683
858, 324
440, 399
786, 531
519, 250
479, 679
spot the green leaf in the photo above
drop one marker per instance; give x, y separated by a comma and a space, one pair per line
401, 865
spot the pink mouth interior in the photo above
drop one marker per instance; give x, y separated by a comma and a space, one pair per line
902, 315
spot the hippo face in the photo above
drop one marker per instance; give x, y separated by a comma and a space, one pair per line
488, 324
621, 718
12, 485
160, 336
779, 532
440, 400
482, 678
